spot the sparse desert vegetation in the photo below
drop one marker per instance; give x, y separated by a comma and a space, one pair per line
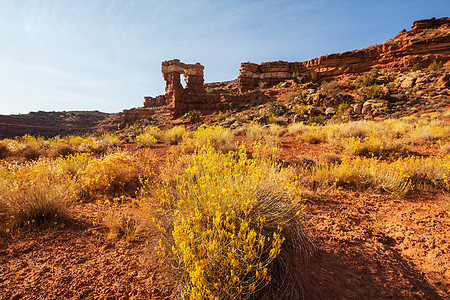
231, 209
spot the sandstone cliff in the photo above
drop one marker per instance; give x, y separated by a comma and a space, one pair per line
428, 40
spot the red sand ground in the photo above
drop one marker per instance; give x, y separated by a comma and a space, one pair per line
368, 247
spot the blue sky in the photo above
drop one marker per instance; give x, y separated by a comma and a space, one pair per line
106, 55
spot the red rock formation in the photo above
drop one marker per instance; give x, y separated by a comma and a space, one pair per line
427, 41
154, 101
129, 116
179, 99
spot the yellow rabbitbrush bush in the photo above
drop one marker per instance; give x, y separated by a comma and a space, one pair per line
236, 232
402, 176
111, 175
219, 137
34, 192
149, 136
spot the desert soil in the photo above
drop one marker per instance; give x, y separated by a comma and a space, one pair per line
369, 246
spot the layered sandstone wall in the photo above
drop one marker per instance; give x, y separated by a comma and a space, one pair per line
428, 40
154, 101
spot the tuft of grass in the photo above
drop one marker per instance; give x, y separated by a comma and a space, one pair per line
402, 176
31, 152
174, 135
4, 151
307, 133
123, 225
64, 150
375, 145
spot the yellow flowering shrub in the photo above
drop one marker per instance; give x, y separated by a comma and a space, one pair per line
111, 174
217, 136
231, 215
174, 135
33, 192
149, 136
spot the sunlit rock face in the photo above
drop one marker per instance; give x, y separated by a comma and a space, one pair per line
428, 40
179, 99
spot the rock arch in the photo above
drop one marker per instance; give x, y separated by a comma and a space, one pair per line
179, 99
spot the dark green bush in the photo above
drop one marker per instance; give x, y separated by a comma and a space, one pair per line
277, 108
416, 67
193, 116
434, 66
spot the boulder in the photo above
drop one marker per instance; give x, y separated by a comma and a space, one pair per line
357, 108
330, 111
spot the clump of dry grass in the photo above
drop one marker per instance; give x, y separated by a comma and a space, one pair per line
402, 176
31, 152
174, 135
307, 133
376, 145
34, 193
124, 223
4, 151
113, 175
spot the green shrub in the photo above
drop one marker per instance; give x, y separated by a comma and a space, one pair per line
193, 116
277, 108
434, 66
300, 98
314, 77
374, 92
369, 78
342, 108
417, 67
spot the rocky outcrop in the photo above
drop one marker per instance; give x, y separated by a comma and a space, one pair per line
130, 116
154, 101
179, 99
428, 40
